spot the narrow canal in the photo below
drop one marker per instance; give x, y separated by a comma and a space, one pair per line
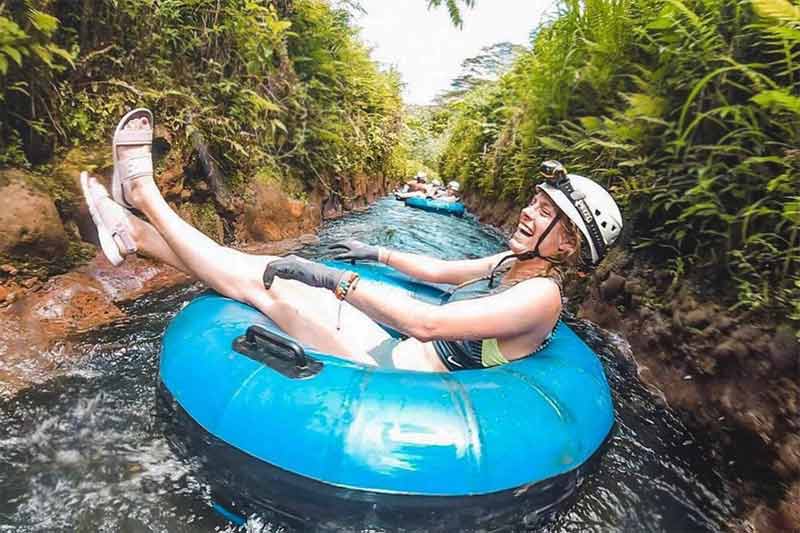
85, 453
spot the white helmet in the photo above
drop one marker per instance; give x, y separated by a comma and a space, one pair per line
437, 182
591, 208
454, 185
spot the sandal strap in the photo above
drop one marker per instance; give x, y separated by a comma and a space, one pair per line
134, 137
138, 166
122, 231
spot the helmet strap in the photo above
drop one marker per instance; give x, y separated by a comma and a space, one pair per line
530, 254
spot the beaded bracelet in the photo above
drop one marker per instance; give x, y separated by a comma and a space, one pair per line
353, 285
344, 285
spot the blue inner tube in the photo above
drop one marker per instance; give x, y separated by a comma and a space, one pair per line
436, 206
371, 436
403, 196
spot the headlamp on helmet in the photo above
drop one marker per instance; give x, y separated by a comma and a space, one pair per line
553, 171
587, 204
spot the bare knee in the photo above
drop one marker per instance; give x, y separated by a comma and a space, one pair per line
234, 278
263, 301
242, 290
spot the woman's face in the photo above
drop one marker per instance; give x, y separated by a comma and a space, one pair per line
533, 221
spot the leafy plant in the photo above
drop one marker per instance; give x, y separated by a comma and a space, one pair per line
453, 9
686, 109
278, 87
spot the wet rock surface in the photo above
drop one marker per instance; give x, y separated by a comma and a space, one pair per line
729, 375
31, 226
271, 215
36, 329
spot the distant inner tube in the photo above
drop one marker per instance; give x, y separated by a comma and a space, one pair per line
436, 206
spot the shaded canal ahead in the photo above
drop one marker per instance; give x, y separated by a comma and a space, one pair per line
84, 452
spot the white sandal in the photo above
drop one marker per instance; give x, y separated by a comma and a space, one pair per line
137, 166
113, 229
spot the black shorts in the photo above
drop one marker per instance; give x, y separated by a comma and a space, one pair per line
453, 356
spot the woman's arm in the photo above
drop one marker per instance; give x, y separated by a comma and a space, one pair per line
523, 308
418, 266
513, 312
435, 270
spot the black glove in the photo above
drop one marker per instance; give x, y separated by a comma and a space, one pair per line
354, 250
308, 272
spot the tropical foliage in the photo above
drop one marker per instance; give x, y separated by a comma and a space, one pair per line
689, 110
485, 67
282, 88
29, 62
453, 9
425, 137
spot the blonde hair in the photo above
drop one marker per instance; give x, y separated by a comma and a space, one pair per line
575, 237
560, 264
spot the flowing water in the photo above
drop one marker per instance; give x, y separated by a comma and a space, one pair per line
84, 452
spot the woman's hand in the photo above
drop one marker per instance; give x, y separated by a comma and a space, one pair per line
354, 250
308, 272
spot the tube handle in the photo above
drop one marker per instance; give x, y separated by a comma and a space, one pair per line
259, 344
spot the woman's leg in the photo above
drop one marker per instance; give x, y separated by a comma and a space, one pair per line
413, 354
151, 244
311, 315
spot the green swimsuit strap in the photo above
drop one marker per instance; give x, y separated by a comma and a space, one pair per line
490, 353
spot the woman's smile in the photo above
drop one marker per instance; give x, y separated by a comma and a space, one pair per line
524, 230
533, 219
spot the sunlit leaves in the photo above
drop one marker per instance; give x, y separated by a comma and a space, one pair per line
17, 44
778, 99
780, 9
453, 9
43, 22
791, 211
13, 53
687, 109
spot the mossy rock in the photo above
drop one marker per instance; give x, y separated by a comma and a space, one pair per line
76, 254
64, 182
60, 183
292, 186
61, 179
205, 218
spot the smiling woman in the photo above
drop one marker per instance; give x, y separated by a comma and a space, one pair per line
542, 210
480, 325
230, 362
